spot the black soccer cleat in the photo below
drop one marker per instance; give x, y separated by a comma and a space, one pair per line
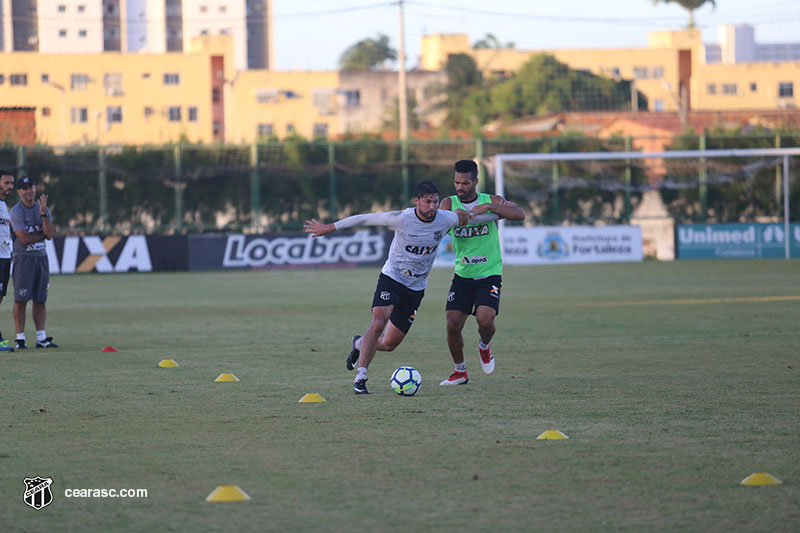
21, 345
360, 386
352, 358
47, 343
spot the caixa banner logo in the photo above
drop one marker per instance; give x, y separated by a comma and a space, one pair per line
91, 253
261, 251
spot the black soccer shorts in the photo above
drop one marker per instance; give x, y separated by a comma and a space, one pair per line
405, 301
31, 278
467, 294
5, 270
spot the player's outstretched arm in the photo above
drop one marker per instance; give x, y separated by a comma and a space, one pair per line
317, 228
388, 218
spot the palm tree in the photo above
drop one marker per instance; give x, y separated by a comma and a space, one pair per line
690, 6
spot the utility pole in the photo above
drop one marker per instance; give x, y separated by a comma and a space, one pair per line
402, 99
402, 86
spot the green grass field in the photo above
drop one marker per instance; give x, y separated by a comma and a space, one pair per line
674, 381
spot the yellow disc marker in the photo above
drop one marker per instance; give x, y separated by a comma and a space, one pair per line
227, 493
226, 377
168, 363
312, 397
759, 479
552, 434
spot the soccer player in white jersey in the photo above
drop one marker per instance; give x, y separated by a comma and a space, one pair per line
404, 276
6, 187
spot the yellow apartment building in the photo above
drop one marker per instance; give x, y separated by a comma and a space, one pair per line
118, 98
268, 104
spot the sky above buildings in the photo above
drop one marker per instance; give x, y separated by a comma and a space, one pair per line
312, 34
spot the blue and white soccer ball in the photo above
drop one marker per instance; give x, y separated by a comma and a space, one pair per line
406, 381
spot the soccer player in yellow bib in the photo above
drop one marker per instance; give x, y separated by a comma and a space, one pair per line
475, 289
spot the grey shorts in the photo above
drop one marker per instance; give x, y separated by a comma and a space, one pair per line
31, 275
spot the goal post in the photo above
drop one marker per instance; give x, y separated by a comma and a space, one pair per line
782, 154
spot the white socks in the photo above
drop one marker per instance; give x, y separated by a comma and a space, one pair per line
361, 373
358, 343
461, 367
482, 346
21, 336
40, 335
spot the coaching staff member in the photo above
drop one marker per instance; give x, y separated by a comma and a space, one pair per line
31, 224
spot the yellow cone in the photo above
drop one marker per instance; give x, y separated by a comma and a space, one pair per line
226, 377
312, 397
168, 363
759, 479
552, 434
227, 493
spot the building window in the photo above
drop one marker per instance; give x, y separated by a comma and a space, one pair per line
352, 98
266, 96
146, 75
81, 8
62, 33
148, 111
753, 87
290, 129
658, 72
62, 8
216, 128
174, 113
729, 88
203, 32
45, 78
711, 88
79, 115
215, 95
265, 130
81, 33
2, 79
320, 130
203, 9
172, 79
112, 84
223, 9
786, 89
658, 105
45, 111
640, 73
18, 79
114, 114
110, 9
224, 31
193, 114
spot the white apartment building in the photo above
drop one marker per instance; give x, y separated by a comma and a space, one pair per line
737, 44
147, 26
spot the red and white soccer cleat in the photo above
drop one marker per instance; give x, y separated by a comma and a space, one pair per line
456, 378
487, 360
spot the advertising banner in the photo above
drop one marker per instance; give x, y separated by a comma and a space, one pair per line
134, 253
223, 252
548, 245
736, 241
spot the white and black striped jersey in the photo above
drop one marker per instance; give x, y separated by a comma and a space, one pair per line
414, 244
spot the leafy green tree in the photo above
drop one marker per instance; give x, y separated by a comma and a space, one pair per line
391, 117
690, 6
368, 54
463, 78
490, 41
544, 85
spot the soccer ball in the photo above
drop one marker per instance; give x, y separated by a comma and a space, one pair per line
406, 381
